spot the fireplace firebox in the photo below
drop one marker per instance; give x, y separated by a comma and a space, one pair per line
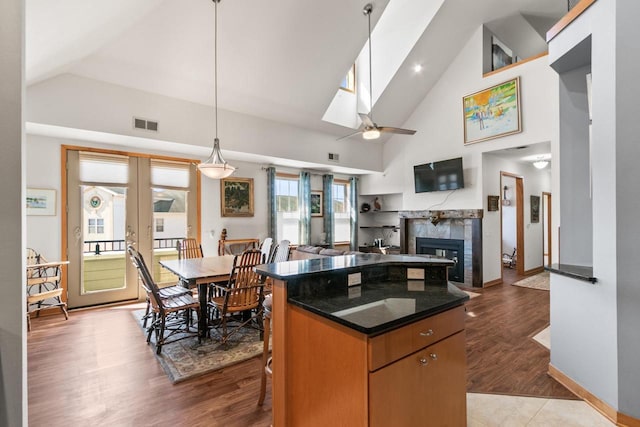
452, 249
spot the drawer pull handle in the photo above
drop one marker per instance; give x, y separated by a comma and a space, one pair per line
424, 361
427, 334
434, 356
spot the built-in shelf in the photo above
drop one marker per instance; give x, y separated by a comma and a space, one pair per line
578, 272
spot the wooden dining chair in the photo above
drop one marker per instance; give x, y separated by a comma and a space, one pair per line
44, 288
266, 359
171, 315
189, 248
243, 294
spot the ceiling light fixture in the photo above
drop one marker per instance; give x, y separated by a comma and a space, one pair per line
417, 68
540, 164
371, 134
215, 166
368, 128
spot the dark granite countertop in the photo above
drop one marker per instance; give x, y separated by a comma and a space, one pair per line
574, 271
386, 297
347, 263
375, 308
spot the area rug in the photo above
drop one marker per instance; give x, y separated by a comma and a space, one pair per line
539, 281
543, 337
186, 358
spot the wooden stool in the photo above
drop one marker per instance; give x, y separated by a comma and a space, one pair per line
266, 360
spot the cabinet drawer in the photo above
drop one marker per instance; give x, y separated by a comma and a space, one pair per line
389, 347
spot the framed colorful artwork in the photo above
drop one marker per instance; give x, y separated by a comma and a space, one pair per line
492, 112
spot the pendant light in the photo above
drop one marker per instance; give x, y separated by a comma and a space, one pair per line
215, 166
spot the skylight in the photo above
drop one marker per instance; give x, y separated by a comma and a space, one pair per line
397, 31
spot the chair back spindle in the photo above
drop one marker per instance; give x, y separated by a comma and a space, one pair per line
189, 248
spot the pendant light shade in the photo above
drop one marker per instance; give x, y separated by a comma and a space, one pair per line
215, 166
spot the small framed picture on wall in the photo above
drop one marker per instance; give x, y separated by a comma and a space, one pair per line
316, 203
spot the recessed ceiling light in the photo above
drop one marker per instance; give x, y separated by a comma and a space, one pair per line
417, 68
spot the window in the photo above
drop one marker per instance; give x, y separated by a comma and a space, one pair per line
159, 225
349, 81
341, 211
288, 219
96, 226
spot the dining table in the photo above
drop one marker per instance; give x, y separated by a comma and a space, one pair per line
201, 272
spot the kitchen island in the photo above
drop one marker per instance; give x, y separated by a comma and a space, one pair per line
367, 340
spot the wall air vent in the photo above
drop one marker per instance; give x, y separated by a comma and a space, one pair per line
334, 157
150, 125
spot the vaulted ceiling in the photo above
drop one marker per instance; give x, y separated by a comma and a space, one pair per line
279, 60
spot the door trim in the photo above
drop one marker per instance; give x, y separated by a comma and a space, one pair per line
520, 251
64, 244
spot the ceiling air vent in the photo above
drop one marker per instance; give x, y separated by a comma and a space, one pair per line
334, 157
145, 124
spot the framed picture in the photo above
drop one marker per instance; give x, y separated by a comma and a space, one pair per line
492, 112
236, 197
316, 203
501, 55
535, 209
41, 201
493, 203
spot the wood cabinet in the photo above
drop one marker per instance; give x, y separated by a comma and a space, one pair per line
425, 388
328, 374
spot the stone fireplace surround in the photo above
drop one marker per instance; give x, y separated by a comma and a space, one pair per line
463, 224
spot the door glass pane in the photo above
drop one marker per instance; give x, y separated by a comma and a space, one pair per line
168, 227
103, 235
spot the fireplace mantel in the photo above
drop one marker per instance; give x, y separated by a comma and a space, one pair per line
465, 224
450, 214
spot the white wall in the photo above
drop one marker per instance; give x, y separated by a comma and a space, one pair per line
13, 344
76, 102
439, 124
237, 227
584, 316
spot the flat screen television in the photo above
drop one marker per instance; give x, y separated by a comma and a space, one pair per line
439, 176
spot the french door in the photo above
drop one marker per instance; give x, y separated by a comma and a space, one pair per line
116, 200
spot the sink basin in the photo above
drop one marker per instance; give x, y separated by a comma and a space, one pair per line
378, 312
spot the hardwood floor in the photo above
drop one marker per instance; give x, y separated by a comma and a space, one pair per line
96, 369
501, 356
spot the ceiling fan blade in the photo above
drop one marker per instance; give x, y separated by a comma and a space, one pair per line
387, 129
366, 120
349, 135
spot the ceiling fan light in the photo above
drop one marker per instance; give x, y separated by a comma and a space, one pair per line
540, 164
371, 134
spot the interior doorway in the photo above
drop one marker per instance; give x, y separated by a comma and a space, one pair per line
546, 229
512, 222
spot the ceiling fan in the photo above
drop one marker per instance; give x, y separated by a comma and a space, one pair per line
368, 128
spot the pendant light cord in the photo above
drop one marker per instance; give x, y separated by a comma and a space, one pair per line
215, 63
370, 78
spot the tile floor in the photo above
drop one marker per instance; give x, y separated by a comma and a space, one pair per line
488, 410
